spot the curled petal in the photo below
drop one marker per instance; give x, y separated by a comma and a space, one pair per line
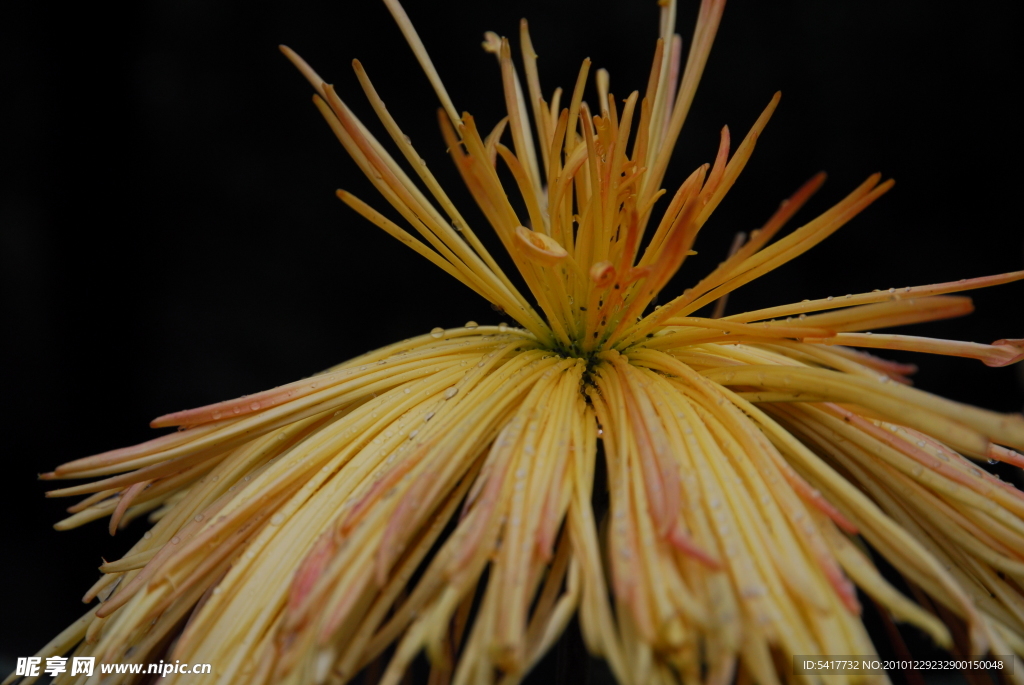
539, 247
602, 274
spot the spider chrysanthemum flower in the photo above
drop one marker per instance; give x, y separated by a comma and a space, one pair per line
702, 490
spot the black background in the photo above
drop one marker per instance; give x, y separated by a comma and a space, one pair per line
170, 235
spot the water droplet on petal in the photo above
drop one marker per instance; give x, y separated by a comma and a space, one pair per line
175, 540
471, 325
436, 332
216, 415
451, 392
254, 406
277, 519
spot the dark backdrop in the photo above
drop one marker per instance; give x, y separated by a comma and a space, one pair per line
170, 235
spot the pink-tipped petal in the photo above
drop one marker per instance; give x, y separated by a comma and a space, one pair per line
124, 502
685, 544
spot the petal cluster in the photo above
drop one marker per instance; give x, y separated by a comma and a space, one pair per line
708, 494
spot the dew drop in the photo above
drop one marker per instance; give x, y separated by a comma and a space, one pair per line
147, 535
451, 392
993, 461
254, 406
198, 518
502, 326
175, 540
413, 433
237, 410
216, 415
848, 295
407, 391
471, 325
429, 415
829, 298
277, 519
892, 290
803, 316
436, 332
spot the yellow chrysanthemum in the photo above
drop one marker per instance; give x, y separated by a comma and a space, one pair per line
439, 494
